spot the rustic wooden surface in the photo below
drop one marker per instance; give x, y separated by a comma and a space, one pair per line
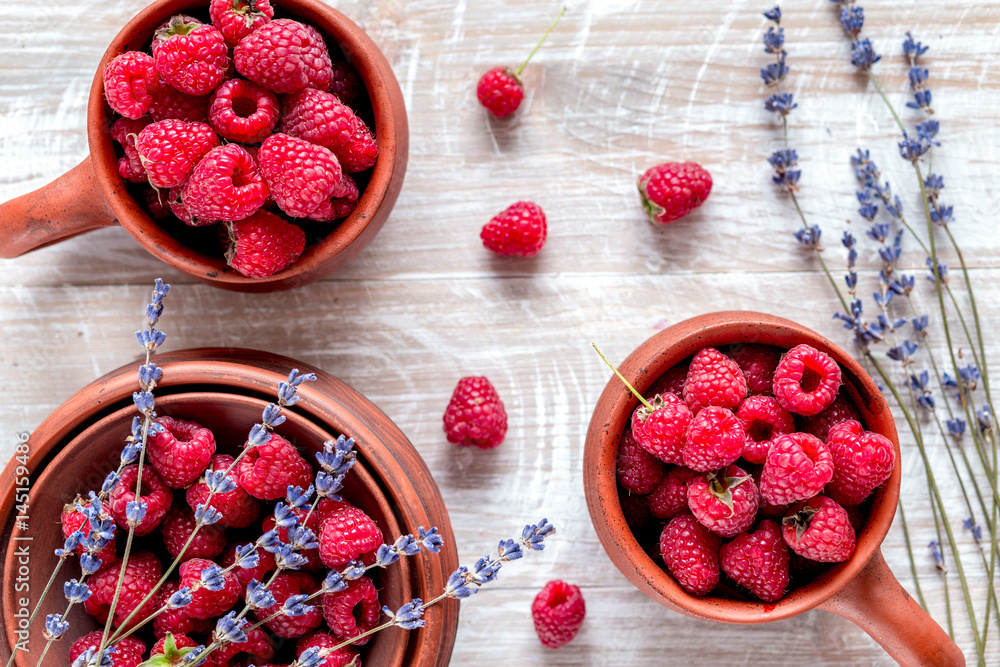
621, 85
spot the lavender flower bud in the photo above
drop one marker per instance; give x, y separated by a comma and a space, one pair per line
55, 626
212, 578
76, 591
295, 606
409, 616
258, 596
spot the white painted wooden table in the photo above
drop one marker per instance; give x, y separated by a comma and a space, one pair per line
621, 85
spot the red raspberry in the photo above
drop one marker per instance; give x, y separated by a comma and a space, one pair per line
820, 530
128, 651
635, 509
206, 603
190, 56
73, 521
155, 493
263, 244
500, 91
301, 175
353, 611
226, 185
342, 657
237, 507
170, 149
257, 647
316, 519
475, 414
130, 80
714, 439
265, 564
757, 363
266, 471
344, 83
661, 431
285, 56
839, 411
141, 574
125, 131
862, 461
713, 379
763, 420
241, 111
173, 104
758, 561
286, 585
517, 230
798, 466
638, 470
342, 202
806, 380
670, 497
347, 534
671, 382
724, 502
180, 641
558, 612
236, 19
691, 553
158, 208
180, 452
324, 120
177, 527
671, 190
175, 621
766, 508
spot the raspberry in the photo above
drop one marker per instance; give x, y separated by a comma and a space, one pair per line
763, 420
236, 19
806, 380
342, 657
130, 80
353, 611
190, 56
661, 431
177, 527
500, 91
862, 460
671, 190
324, 120
798, 466
170, 149
635, 509
301, 175
347, 534
142, 572
226, 185
475, 414
257, 647
241, 111
758, 561
766, 508
128, 651
638, 470
670, 498
517, 230
821, 531
285, 56
180, 452
263, 244
724, 502
237, 507
757, 363
713, 379
173, 104
73, 521
691, 553
714, 439
207, 603
125, 131
266, 471
155, 494
342, 202
175, 621
344, 83
839, 411
286, 585
558, 612
265, 564
671, 382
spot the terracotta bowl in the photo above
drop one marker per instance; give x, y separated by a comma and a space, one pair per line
79, 443
93, 195
863, 589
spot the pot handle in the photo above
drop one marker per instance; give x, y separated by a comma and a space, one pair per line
876, 602
70, 205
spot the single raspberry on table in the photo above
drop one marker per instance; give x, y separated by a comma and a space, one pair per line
662, 430
300, 175
142, 572
190, 55
242, 111
321, 118
237, 507
758, 561
177, 527
73, 521
637, 470
862, 461
839, 411
125, 131
344, 83
169, 103
820, 530
671, 382
671, 190
266, 471
265, 564
170, 149
635, 508
517, 230
128, 652
155, 494
263, 244
713, 379
757, 363
806, 380
207, 603
175, 621
285, 56
763, 420
475, 415
236, 19
670, 497
342, 657
130, 81
798, 466
714, 439
347, 534
725, 502
180, 452
226, 185
691, 553
353, 611
343, 200
500, 90
558, 612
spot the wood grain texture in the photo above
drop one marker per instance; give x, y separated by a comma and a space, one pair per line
621, 85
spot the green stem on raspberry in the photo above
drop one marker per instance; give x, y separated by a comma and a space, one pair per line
622, 378
540, 42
